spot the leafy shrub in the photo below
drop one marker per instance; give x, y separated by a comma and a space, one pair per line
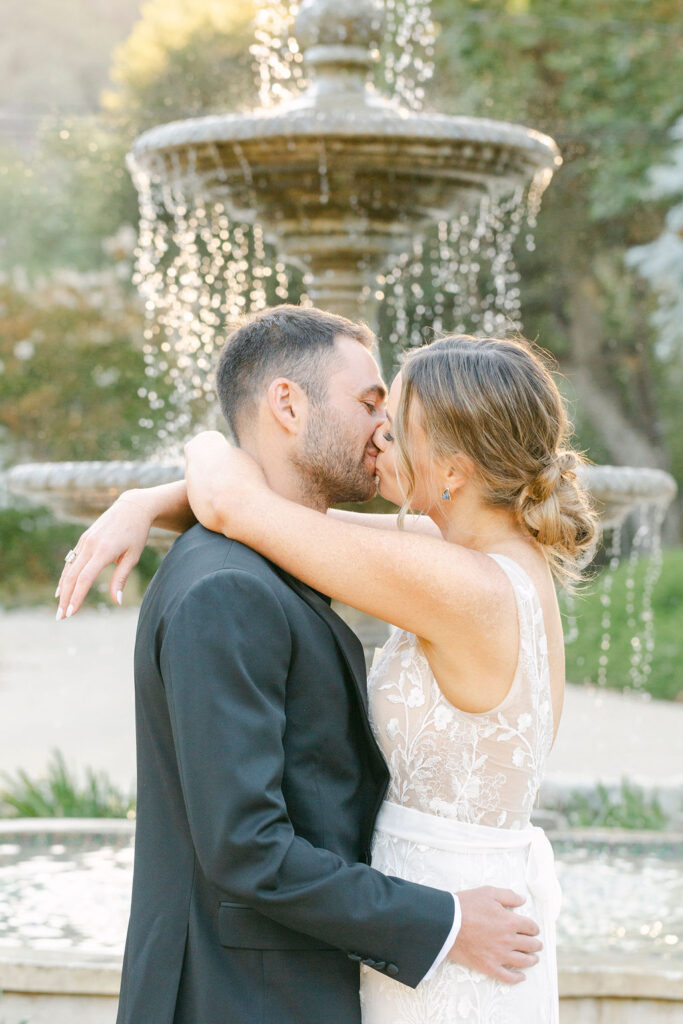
60, 795
32, 549
629, 808
664, 678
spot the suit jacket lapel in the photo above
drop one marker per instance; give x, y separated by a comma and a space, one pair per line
352, 651
348, 642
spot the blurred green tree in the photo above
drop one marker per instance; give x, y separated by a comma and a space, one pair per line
661, 261
71, 369
59, 203
183, 58
72, 190
599, 78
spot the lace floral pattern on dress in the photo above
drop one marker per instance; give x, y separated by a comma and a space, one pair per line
483, 769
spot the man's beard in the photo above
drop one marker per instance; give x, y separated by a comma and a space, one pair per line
330, 467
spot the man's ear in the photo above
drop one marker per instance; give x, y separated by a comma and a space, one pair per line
288, 404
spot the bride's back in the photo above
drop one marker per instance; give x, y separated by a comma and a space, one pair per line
481, 768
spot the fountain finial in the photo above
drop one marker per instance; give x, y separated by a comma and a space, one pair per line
331, 23
340, 44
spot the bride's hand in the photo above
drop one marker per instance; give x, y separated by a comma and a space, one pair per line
219, 477
119, 535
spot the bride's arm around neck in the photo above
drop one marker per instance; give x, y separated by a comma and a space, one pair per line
408, 578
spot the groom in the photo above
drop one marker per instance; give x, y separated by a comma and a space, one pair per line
259, 779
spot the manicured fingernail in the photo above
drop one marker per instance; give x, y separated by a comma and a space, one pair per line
69, 611
119, 596
59, 615
57, 591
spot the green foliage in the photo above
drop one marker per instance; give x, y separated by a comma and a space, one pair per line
32, 549
71, 370
670, 372
661, 261
598, 78
60, 795
597, 75
32, 552
630, 808
183, 58
664, 681
58, 203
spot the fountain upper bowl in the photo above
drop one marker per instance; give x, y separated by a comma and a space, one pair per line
481, 151
337, 184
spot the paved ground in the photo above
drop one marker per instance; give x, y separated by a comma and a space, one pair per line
68, 685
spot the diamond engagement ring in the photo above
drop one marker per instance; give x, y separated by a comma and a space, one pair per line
70, 556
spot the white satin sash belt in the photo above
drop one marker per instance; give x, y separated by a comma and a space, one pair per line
448, 834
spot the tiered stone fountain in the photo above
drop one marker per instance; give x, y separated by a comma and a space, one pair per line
342, 181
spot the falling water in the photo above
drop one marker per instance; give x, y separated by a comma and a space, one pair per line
613, 546
199, 273
406, 61
200, 270
631, 564
278, 62
461, 278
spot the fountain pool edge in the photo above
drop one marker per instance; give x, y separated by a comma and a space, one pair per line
60, 986
80, 491
56, 988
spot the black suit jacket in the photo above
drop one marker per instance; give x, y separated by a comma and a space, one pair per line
258, 786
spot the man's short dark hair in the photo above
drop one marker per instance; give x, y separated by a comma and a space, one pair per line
285, 341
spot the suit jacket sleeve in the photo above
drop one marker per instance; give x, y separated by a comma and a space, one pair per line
224, 660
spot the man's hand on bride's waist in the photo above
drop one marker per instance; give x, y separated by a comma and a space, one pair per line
491, 938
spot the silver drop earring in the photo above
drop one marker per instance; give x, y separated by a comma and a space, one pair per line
446, 496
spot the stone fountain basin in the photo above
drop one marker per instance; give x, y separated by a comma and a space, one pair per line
484, 146
365, 178
80, 491
65, 890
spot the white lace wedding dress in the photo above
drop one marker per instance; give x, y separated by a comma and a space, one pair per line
457, 816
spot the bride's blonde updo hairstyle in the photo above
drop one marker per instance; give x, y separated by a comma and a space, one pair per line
496, 401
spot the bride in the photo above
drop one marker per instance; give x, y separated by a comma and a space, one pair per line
466, 695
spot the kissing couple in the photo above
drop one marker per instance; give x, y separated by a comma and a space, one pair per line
302, 835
